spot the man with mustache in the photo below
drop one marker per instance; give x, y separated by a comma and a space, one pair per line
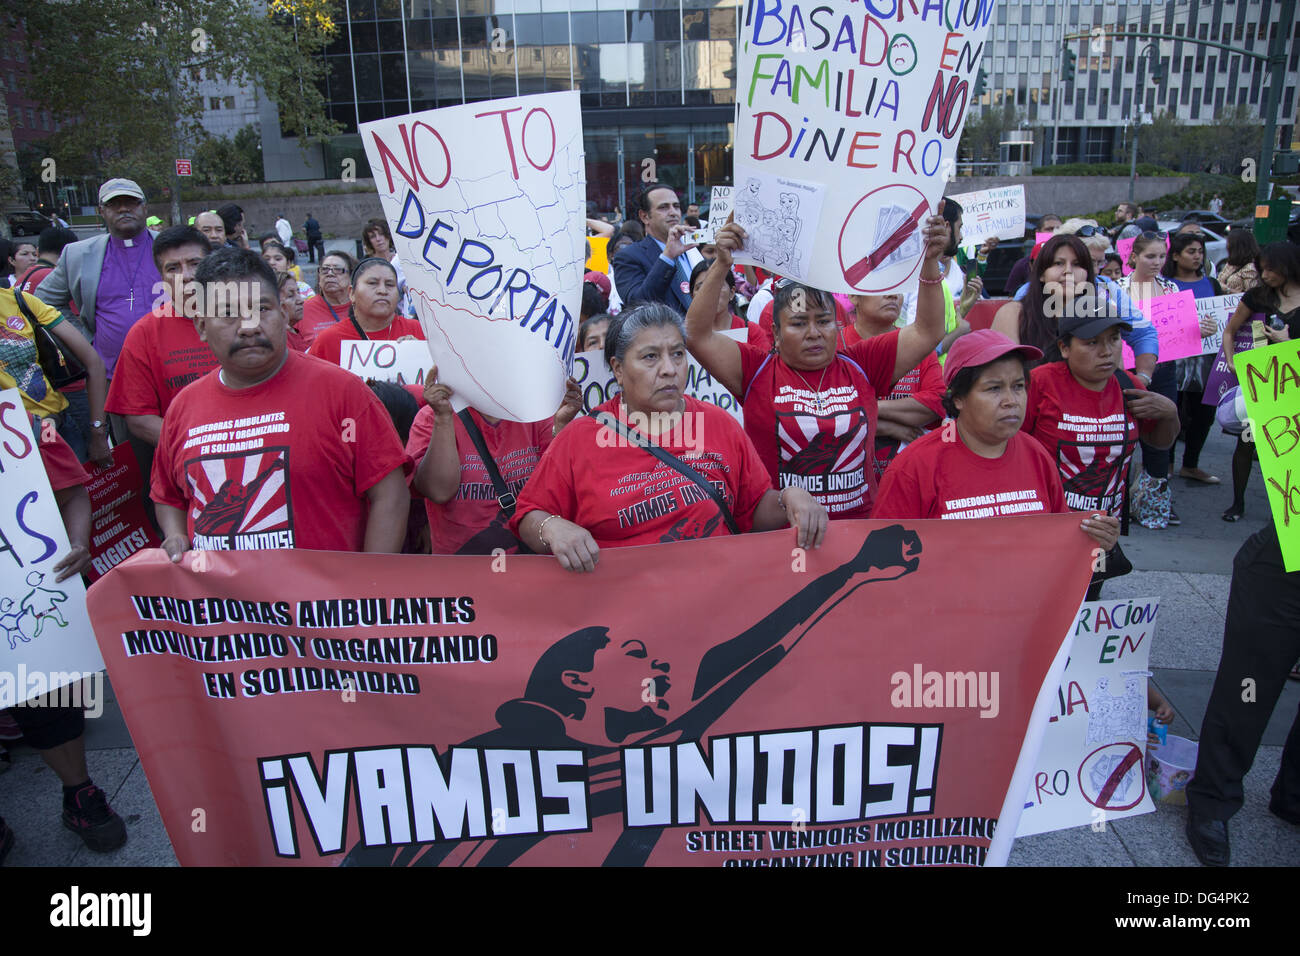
273, 449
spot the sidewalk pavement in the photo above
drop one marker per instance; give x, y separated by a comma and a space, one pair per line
1187, 567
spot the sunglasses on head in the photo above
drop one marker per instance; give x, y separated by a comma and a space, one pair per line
1153, 235
1086, 231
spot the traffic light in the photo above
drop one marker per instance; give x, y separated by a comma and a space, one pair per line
1067, 66
1157, 70
980, 78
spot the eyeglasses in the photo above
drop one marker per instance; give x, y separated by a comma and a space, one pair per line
1086, 231
331, 270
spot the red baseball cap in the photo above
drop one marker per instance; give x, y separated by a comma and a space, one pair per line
600, 281
979, 348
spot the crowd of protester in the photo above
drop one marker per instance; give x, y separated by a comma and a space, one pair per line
853, 406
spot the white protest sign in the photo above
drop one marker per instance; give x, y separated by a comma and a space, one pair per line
1220, 309
403, 363
597, 384
847, 128
992, 214
720, 199
45, 637
1091, 768
487, 204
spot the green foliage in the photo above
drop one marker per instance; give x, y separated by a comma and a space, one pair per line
983, 133
1102, 169
1233, 136
221, 160
124, 76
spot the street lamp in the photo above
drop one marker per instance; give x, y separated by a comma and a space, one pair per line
1157, 77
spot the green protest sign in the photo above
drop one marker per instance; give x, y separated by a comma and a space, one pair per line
1270, 383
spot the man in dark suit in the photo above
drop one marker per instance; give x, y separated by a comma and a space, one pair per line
658, 268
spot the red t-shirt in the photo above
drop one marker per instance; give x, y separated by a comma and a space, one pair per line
924, 383
933, 478
295, 339
161, 355
624, 496
317, 315
1090, 435
471, 522
327, 344
755, 335
60, 461
283, 464
824, 452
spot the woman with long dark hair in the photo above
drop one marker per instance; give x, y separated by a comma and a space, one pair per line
1277, 298
377, 241
1239, 272
372, 315
1185, 267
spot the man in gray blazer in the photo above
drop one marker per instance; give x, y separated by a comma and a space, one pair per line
110, 279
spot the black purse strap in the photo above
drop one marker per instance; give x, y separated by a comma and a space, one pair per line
505, 498
48, 355
355, 324
672, 461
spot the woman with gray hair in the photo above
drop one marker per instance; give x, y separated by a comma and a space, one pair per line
617, 478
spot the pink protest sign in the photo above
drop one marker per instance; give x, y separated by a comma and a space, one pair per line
1041, 237
1125, 246
1176, 323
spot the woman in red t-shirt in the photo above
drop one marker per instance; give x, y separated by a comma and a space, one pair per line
333, 295
373, 314
724, 319
992, 469
1089, 425
810, 410
916, 401
596, 487
291, 305
460, 497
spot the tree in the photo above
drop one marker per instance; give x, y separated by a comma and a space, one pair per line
220, 160
122, 77
982, 134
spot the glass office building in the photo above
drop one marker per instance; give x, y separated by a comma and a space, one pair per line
657, 77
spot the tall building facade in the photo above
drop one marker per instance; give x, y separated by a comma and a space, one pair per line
658, 77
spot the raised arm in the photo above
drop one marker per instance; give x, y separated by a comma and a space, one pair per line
719, 354
919, 339
438, 475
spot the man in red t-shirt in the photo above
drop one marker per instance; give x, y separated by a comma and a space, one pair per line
274, 449
162, 352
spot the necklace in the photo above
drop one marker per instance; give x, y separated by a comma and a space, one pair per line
130, 281
819, 403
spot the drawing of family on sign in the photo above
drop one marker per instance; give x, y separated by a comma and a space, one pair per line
780, 219
38, 607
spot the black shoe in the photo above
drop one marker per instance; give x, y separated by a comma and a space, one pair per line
92, 819
1174, 520
1275, 808
6, 841
1208, 838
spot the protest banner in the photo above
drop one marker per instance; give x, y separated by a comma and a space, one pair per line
1176, 324
848, 120
1223, 376
1270, 384
45, 637
487, 207
403, 363
1220, 309
597, 384
1091, 768
119, 526
992, 214
416, 710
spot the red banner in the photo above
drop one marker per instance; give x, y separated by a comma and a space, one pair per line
724, 702
119, 526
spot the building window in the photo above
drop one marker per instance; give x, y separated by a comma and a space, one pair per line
228, 102
214, 102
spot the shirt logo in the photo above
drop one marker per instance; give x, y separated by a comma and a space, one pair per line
15, 322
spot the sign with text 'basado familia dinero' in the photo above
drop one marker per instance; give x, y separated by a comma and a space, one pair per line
487, 203
847, 129
408, 710
1270, 383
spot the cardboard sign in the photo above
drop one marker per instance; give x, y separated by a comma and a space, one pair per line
397, 710
1091, 767
1176, 323
598, 385
1223, 376
1219, 308
487, 205
119, 526
847, 128
403, 363
992, 214
45, 636
1270, 383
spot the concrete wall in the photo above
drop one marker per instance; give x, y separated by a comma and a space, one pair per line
339, 215
1075, 195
